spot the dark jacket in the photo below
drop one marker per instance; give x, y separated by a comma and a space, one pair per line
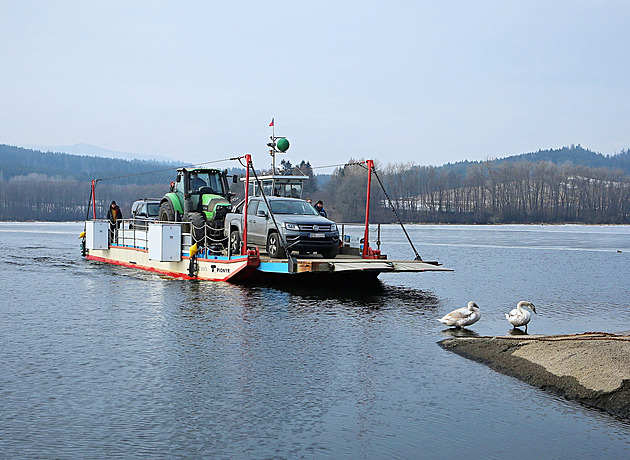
110, 215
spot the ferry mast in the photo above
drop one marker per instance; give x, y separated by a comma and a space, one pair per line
278, 144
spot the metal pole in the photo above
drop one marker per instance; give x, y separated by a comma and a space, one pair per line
248, 162
272, 152
370, 166
94, 199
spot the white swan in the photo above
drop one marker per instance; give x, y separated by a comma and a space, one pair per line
462, 317
519, 316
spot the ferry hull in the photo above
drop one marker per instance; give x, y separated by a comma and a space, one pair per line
220, 269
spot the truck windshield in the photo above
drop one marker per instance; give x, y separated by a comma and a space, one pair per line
292, 207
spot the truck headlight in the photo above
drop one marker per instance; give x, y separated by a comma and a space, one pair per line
290, 226
333, 227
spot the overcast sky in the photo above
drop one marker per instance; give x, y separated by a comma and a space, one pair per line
417, 81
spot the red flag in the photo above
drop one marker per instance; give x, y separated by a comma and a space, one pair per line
271, 124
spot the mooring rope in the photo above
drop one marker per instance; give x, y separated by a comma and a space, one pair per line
397, 216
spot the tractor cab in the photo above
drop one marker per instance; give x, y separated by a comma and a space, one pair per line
197, 190
201, 197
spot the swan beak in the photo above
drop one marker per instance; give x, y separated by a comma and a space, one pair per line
534, 308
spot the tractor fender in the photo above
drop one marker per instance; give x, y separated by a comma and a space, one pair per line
175, 202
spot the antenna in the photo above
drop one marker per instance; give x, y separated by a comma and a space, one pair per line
278, 144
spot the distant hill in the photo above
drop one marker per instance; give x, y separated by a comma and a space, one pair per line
21, 162
94, 151
575, 155
37, 185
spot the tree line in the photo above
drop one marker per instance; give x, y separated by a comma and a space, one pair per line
58, 201
497, 191
522, 192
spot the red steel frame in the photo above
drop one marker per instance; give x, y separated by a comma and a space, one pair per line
370, 167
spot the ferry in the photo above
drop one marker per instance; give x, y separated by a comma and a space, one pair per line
189, 238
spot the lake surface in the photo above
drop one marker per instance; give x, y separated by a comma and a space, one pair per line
98, 361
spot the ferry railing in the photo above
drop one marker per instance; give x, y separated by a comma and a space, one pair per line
348, 242
211, 240
130, 233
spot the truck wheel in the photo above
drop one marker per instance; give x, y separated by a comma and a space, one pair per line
198, 230
167, 213
235, 242
330, 253
274, 247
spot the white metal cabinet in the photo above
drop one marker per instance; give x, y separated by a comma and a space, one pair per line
165, 242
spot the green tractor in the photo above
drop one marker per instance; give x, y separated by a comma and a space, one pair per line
202, 197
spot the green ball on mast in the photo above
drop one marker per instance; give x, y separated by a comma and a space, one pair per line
282, 144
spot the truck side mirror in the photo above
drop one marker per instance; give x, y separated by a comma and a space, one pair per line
261, 213
235, 179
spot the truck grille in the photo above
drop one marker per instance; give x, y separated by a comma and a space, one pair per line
315, 228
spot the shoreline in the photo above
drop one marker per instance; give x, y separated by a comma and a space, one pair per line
592, 368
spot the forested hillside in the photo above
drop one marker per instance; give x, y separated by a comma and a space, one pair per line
38, 185
18, 162
510, 192
571, 184
575, 155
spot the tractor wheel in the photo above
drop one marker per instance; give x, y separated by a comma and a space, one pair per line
235, 242
274, 246
166, 213
198, 230
216, 235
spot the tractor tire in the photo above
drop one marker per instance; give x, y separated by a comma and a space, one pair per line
235, 242
216, 235
166, 213
274, 246
198, 227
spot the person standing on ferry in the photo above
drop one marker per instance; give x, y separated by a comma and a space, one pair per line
320, 208
114, 216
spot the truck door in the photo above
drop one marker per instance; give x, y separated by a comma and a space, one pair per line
257, 222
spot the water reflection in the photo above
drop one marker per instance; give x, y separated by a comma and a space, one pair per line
516, 331
377, 296
459, 332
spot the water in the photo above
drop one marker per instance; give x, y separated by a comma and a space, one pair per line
98, 361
